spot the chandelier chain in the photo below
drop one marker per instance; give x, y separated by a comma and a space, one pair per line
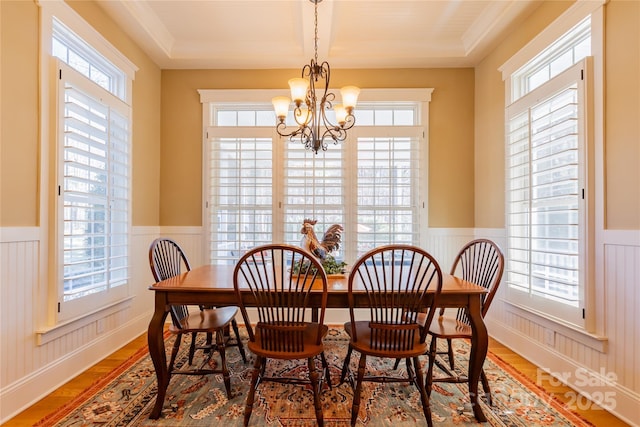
316, 32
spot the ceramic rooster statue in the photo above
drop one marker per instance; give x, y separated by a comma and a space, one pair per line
330, 241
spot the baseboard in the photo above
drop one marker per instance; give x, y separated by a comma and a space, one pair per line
589, 385
30, 389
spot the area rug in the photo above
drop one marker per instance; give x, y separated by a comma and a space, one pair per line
126, 396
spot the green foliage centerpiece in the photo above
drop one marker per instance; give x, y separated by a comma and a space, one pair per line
329, 263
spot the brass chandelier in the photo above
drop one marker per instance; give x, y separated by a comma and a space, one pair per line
315, 129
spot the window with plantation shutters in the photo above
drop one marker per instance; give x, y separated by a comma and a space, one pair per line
240, 191
314, 189
92, 173
388, 188
260, 187
94, 189
545, 196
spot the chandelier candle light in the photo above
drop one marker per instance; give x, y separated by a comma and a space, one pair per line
310, 112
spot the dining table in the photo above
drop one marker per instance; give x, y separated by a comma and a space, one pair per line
212, 285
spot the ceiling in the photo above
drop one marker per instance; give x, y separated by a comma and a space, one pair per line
257, 34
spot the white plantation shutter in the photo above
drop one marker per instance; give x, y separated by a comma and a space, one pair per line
94, 187
388, 188
545, 209
314, 188
241, 196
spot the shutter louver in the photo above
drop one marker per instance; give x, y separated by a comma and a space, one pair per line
241, 188
95, 195
314, 188
544, 198
387, 186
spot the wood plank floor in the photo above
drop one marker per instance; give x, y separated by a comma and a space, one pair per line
59, 397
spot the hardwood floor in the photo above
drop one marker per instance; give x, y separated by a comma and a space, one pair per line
594, 414
75, 386
59, 397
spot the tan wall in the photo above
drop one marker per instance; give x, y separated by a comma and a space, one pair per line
19, 142
146, 115
21, 115
451, 172
622, 116
489, 114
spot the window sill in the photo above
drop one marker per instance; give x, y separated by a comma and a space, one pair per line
50, 333
594, 341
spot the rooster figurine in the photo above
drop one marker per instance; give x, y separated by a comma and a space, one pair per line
330, 241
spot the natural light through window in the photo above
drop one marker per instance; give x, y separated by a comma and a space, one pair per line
261, 187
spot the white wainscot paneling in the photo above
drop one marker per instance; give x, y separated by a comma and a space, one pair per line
444, 244
29, 371
190, 240
606, 371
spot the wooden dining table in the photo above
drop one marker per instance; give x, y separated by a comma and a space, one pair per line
212, 285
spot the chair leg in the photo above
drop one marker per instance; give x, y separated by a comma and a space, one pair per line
345, 364
174, 353
412, 374
234, 325
432, 359
450, 354
248, 408
327, 373
315, 386
426, 407
209, 343
223, 362
355, 407
192, 347
396, 364
485, 387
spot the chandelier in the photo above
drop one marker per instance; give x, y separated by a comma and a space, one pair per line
315, 129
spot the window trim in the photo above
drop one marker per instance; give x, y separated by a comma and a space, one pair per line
49, 319
594, 294
68, 17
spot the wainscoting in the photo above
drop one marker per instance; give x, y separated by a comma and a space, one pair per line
30, 369
32, 366
603, 367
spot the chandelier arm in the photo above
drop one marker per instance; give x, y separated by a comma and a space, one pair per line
325, 73
281, 129
337, 134
302, 117
350, 120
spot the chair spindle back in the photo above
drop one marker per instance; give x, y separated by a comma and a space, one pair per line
166, 259
282, 279
481, 262
396, 279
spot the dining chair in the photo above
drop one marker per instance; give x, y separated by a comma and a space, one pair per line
481, 262
283, 280
396, 279
167, 259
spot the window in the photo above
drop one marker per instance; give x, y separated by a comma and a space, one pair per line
568, 50
547, 146
260, 187
92, 167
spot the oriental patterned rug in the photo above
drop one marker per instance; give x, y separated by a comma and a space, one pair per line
125, 397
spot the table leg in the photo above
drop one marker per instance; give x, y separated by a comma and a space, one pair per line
479, 347
155, 339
